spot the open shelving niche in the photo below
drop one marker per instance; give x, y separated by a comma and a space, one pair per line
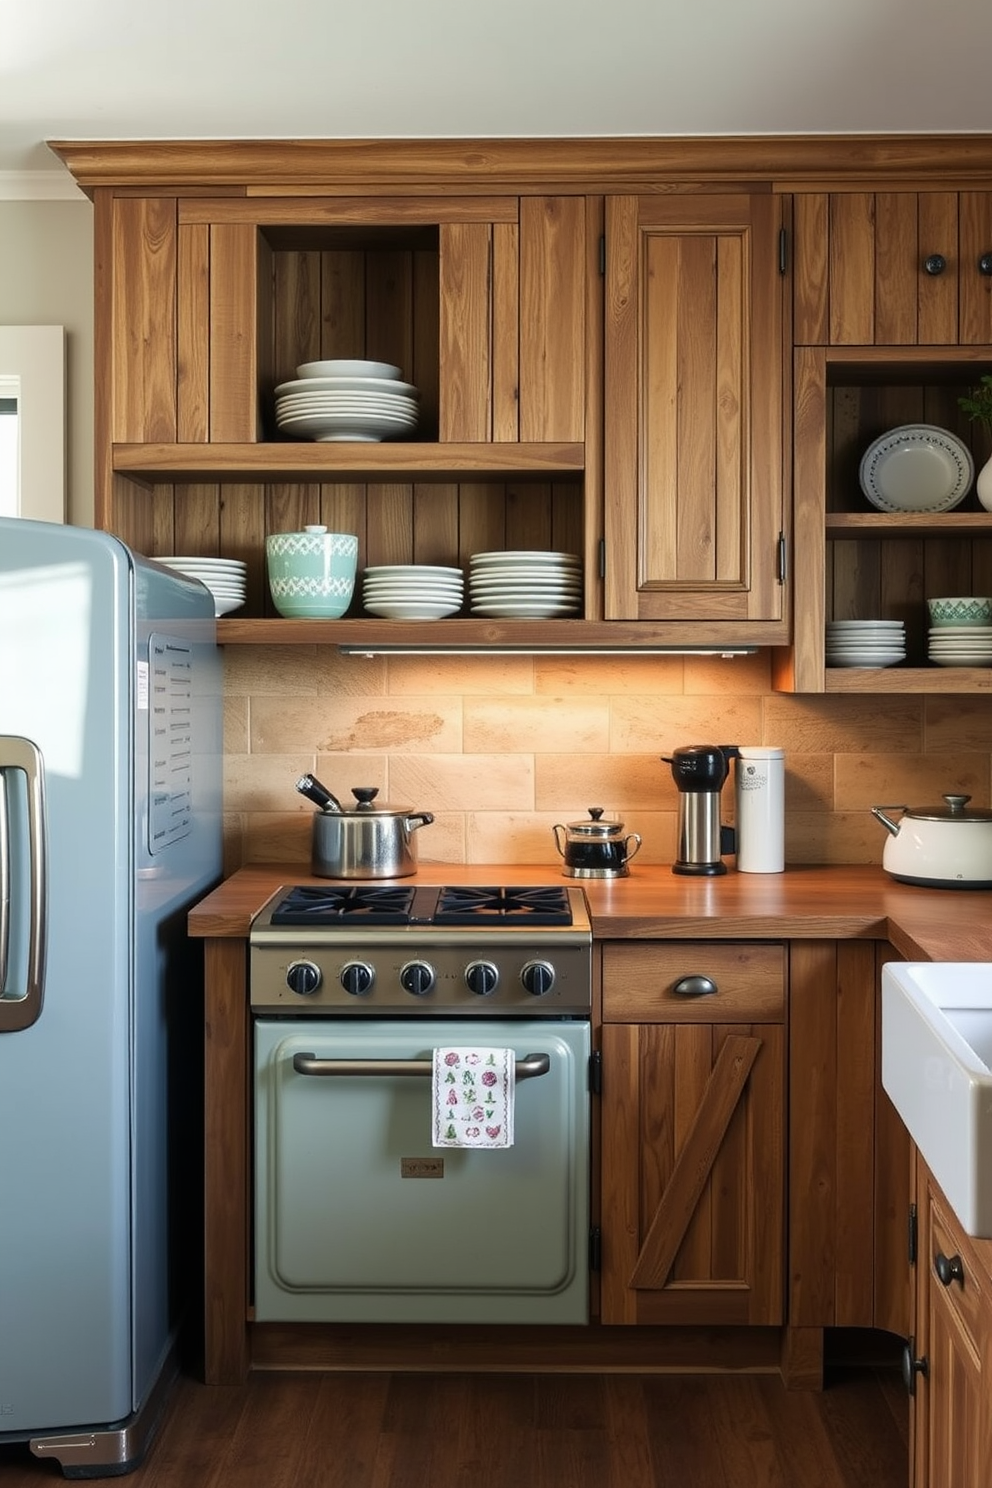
854, 562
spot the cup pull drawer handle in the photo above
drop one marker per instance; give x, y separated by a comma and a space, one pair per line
528, 1068
695, 986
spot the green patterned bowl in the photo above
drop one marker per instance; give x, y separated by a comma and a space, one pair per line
960, 611
311, 573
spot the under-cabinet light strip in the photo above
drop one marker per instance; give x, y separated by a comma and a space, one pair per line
398, 648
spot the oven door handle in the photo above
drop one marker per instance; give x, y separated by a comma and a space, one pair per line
528, 1068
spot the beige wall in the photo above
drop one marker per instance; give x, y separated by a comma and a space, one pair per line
46, 278
502, 749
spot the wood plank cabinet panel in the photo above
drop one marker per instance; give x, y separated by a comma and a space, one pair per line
240, 339
693, 407
193, 305
552, 327
466, 353
142, 275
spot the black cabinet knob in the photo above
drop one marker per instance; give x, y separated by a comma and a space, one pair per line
985, 264
948, 1268
912, 1366
934, 263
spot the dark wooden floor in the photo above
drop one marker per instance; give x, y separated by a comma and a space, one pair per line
521, 1431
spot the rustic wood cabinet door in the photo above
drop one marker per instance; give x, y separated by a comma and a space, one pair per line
952, 1421
693, 429
893, 268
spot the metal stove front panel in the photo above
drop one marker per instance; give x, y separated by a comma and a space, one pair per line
360, 1219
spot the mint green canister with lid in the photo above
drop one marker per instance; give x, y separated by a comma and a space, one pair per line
311, 573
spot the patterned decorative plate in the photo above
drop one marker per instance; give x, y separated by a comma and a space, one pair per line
916, 468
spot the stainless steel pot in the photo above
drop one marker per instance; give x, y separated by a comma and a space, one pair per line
367, 840
945, 847
594, 848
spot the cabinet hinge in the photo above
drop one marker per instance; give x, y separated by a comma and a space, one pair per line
602, 254
596, 1072
912, 1235
783, 558
595, 1248
602, 557
783, 251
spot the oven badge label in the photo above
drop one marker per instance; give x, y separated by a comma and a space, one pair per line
421, 1167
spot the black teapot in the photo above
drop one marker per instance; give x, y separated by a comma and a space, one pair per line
595, 848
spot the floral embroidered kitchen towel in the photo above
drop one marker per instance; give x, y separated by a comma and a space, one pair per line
473, 1091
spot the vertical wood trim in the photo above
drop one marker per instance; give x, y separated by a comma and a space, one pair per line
938, 293
656, 406
762, 385
766, 1163
974, 288
855, 1157
733, 494
893, 1275
193, 390
621, 411
852, 269
506, 332
466, 353
227, 1120
897, 267
811, 284
591, 523
144, 320
809, 553
621, 1181
105, 514
812, 1133
234, 359
552, 317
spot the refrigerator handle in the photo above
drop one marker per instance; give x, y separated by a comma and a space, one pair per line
20, 1009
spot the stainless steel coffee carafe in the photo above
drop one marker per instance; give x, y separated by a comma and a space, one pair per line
699, 772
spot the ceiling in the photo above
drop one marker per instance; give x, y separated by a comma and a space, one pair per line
110, 69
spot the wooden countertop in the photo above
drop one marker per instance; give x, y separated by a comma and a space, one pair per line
836, 903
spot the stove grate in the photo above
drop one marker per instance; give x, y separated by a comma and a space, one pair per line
357, 904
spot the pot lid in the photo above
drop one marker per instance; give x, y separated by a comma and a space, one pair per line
955, 810
367, 805
595, 829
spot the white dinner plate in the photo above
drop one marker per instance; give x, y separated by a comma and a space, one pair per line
869, 663
414, 568
411, 610
524, 610
225, 606
965, 660
398, 595
916, 468
343, 367
386, 385
526, 556
213, 565
355, 428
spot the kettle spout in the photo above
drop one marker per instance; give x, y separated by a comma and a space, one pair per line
887, 822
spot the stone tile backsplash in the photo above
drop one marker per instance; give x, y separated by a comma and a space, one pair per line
499, 750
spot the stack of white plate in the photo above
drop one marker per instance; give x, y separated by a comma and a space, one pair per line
865, 643
412, 591
523, 585
961, 645
224, 577
353, 400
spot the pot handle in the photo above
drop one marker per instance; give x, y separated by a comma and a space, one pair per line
632, 852
887, 822
558, 827
419, 819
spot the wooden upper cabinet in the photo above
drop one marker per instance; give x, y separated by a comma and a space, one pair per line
893, 268
136, 256
693, 408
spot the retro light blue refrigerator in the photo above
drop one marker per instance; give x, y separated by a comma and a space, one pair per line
110, 828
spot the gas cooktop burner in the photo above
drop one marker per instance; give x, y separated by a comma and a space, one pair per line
357, 904
382, 904
471, 906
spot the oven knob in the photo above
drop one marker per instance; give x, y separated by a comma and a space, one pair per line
417, 978
303, 978
481, 977
538, 977
357, 978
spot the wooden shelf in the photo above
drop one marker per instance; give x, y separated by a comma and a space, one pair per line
904, 524
908, 679
152, 463
436, 635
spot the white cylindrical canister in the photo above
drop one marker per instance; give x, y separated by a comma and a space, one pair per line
760, 803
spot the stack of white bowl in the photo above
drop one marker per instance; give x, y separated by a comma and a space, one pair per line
524, 585
412, 591
224, 577
960, 631
865, 643
347, 400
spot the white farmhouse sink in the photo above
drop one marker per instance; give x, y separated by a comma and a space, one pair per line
937, 1071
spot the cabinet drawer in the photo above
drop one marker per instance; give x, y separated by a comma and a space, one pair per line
640, 980
961, 1288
